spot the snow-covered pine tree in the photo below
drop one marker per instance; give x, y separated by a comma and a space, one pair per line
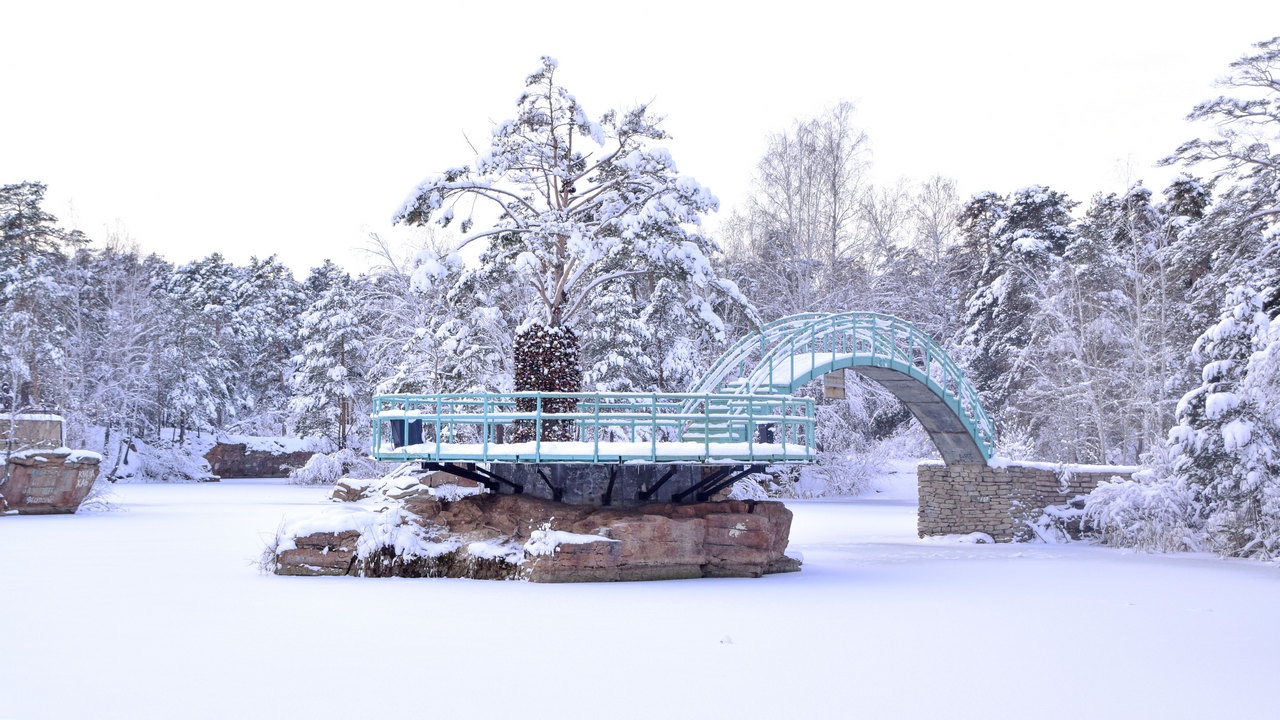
329, 378
617, 344
1259, 471
1227, 434
267, 305
32, 249
1235, 240
577, 205
1019, 240
192, 366
682, 348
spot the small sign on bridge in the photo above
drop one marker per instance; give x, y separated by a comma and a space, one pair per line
833, 385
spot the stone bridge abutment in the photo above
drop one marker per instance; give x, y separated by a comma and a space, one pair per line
1001, 500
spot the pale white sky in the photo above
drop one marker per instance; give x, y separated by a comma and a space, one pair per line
295, 128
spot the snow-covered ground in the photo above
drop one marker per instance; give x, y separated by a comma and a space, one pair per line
158, 611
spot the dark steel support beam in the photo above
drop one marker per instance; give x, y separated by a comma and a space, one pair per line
491, 481
647, 494
607, 498
711, 491
557, 494
706, 482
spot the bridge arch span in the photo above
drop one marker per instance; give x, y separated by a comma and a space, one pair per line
790, 352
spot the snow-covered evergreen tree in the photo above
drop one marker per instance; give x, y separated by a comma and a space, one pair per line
1220, 485
678, 352
1227, 434
577, 205
329, 380
1234, 244
31, 252
1020, 241
191, 366
266, 308
617, 343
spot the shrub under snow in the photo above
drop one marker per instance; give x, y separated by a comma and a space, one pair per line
158, 461
1156, 514
323, 469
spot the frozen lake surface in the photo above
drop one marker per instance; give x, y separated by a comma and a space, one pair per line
157, 610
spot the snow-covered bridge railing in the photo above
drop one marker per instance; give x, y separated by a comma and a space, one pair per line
791, 351
594, 428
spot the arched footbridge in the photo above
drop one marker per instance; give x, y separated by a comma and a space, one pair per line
743, 411
790, 352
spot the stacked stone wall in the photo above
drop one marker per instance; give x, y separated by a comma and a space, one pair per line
999, 501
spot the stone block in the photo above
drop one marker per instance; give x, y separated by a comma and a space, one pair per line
45, 482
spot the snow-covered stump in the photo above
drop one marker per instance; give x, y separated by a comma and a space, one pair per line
446, 532
1005, 500
45, 482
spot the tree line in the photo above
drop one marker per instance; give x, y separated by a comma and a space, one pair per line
1138, 327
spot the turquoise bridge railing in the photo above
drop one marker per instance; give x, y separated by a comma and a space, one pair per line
742, 411
601, 428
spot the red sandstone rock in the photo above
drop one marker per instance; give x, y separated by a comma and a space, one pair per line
739, 530
580, 562
653, 542
319, 554
43, 482
237, 460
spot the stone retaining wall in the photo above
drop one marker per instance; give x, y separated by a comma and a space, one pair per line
1000, 501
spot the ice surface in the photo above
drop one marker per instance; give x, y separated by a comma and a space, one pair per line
157, 611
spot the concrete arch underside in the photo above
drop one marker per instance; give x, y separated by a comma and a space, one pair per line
934, 412
952, 438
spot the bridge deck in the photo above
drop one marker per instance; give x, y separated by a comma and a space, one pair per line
699, 453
